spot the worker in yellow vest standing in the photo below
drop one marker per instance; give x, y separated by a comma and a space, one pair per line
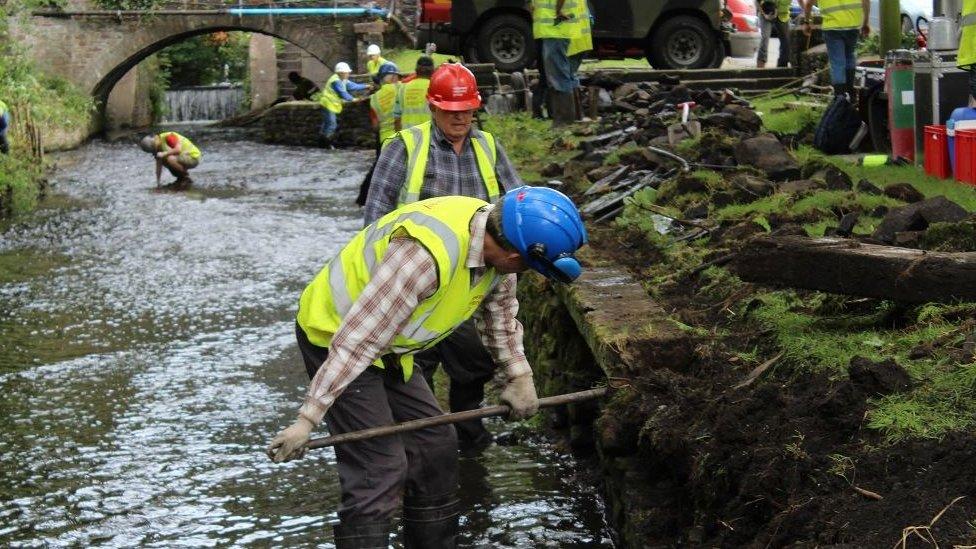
409, 109
4, 126
338, 89
557, 23
843, 21
774, 15
374, 60
398, 287
411, 105
442, 157
177, 153
382, 103
967, 46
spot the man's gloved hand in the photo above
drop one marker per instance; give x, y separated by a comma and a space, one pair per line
290, 443
519, 394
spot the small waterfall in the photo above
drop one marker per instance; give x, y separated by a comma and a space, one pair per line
203, 103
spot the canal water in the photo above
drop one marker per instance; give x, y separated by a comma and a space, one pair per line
147, 356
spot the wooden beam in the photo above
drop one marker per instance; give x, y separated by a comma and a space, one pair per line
842, 266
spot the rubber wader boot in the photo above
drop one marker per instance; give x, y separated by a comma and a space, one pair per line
430, 522
374, 535
563, 108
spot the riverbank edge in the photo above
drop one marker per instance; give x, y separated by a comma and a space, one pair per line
602, 330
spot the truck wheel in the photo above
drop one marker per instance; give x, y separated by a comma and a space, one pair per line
506, 41
682, 42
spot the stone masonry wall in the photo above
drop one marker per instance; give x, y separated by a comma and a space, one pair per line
298, 123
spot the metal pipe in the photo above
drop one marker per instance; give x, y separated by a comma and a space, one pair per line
499, 410
352, 12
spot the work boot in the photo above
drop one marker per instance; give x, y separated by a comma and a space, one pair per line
430, 522
563, 108
374, 535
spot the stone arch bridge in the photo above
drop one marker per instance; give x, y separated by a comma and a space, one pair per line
94, 49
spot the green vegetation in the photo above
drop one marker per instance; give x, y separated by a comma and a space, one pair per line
201, 60
406, 59
50, 104
530, 155
778, 118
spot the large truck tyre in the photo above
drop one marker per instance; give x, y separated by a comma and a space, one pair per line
682, 42
506, 41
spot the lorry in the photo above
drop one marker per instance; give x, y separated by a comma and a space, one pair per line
671, 34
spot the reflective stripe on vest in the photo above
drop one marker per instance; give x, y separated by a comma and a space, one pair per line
186, 146
967, 40
544, 20
382, 103
413, 103
329, 98
373, 67
417, 141
442, 226
841, 14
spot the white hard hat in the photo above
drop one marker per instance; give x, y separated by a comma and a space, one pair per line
342, 66
373, 49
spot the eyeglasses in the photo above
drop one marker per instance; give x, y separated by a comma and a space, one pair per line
564, 268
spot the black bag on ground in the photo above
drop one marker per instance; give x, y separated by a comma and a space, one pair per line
838, 127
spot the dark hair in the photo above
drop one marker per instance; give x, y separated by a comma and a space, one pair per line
293, 76
425, 66
494, 226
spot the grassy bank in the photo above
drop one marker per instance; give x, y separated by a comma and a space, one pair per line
50, 104
812, 332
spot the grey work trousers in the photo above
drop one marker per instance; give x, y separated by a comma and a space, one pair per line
766, 32
469, 365
375, 474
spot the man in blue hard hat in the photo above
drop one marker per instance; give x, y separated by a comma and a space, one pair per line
399, 286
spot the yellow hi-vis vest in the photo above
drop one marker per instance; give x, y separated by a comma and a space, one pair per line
967, 40
544, 20
373, 67
382, 103
583, 42
329, 98
413, 102
442, 226
186, 146
417, 141
841, 14
3, 108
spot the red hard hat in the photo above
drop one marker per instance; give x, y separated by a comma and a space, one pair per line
453, 88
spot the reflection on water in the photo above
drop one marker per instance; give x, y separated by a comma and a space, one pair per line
147, 354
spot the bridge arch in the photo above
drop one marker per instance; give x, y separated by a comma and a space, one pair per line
95, 52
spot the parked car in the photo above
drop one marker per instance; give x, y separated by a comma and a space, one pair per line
914, 14
671, 34
744, 42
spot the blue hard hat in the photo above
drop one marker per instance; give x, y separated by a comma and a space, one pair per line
385, 69
545, 227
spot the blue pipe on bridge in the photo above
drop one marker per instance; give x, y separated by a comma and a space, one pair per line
307, 11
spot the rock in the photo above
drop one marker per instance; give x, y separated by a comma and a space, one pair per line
723, 120
597, 174
865, 186
801, 186
722, 199
552, 169
642, 112
766, 153
753, 185
624, 91
904, 192
846, 226
880, 211
908, 239
745, 118
789, 229
951, 237
918, 217
836, 179
695, 211
679, 94
878, 378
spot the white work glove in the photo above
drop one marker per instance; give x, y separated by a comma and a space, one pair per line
290, 443
519, 394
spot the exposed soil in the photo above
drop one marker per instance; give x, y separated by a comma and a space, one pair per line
783, 462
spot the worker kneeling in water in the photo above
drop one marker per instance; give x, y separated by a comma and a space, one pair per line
177, 153
399, 286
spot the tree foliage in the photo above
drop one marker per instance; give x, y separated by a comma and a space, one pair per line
200, 60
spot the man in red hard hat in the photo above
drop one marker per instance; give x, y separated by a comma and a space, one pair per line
441, 157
